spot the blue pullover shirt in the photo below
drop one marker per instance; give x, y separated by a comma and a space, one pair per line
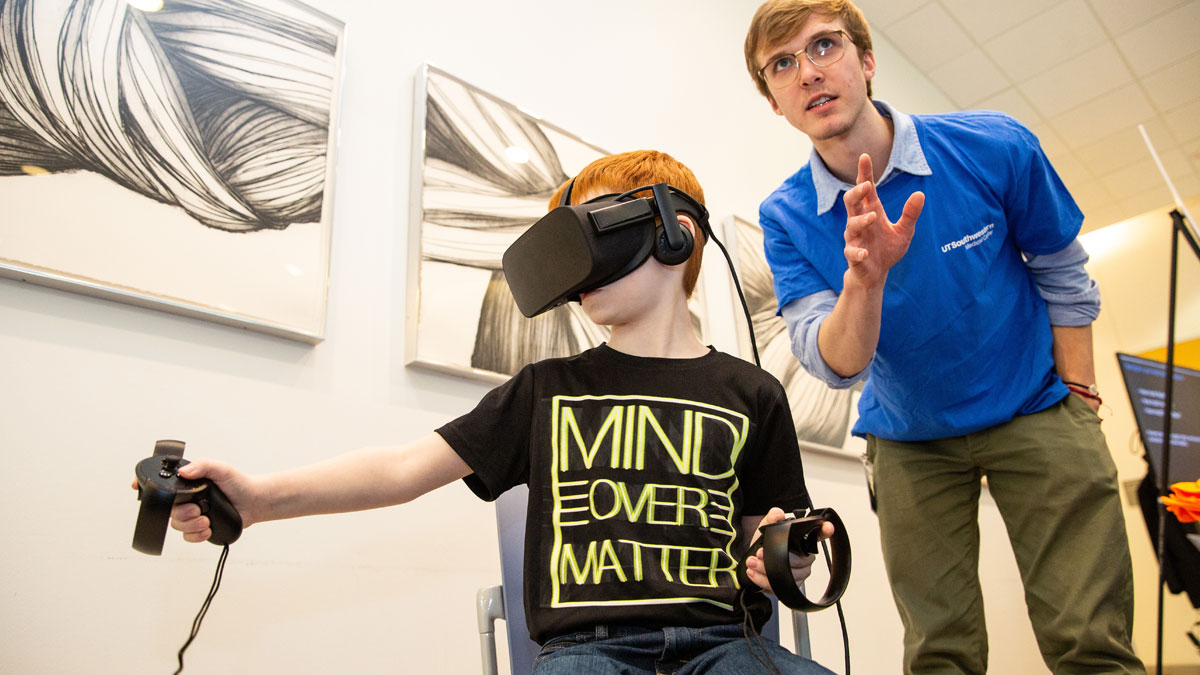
965, 341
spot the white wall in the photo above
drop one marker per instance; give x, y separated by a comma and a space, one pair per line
90, 384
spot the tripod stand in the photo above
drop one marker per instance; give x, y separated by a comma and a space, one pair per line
1179, 228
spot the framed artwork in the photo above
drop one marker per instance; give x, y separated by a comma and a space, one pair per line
823, 416
483, 171
179, 158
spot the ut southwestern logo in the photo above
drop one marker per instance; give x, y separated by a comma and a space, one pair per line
971, 240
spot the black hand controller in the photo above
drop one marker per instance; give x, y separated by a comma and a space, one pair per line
800, 533
160, 487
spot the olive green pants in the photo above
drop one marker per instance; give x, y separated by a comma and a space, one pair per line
1055, 484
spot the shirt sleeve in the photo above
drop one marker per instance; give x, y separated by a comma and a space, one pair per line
804, 317
493, 439
1041, 213
773, 473
1072, 297
792, 274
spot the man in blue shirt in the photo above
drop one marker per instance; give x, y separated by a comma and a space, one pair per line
970, 318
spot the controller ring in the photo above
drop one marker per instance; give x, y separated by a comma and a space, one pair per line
779, 539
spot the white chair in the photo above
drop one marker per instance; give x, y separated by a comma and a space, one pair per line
507, 600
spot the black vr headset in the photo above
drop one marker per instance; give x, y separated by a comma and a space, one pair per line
578, 248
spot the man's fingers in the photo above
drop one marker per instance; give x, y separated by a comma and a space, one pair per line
853, 199
866, 173
861, 199
856, 226
912, 211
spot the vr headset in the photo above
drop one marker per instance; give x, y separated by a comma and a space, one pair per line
578, 248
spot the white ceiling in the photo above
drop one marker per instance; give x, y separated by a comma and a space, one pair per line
1082, 74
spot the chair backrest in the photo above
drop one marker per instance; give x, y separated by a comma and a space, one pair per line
522, 650
510, 525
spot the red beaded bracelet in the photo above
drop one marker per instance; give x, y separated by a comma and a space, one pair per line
1084, 392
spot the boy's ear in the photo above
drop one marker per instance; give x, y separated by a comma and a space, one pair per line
686, 221
664, 253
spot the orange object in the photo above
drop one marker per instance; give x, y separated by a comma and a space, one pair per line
1184, 501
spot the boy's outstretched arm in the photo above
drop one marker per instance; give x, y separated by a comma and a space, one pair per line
755, 568
369, 478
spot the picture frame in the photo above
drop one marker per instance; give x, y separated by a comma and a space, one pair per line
203, 186
823, 416
483, 170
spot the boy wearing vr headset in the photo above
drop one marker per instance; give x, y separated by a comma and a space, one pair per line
974, 325
651, 461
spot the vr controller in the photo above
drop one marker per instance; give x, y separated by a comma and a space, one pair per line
160, 487
800, 533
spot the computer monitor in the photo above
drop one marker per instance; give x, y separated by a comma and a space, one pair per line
1145, 380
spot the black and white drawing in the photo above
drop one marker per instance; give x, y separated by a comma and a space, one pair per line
178, 158
483, 171
823, 416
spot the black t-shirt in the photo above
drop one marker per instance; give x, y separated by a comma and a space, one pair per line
639, 471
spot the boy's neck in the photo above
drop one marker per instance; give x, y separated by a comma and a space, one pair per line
669, 337
872, 134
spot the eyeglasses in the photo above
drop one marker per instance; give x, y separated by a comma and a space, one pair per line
824, 50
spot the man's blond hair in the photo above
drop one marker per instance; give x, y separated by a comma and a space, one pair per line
778, 21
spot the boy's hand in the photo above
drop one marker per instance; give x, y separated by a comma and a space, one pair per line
239, 487
801, 564
873, 243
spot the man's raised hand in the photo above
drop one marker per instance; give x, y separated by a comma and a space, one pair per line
873, 242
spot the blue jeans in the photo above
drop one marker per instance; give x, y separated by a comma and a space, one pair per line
623, 650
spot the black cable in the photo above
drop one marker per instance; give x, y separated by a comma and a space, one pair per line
748, 629
754, 346
709, 232
741, 296
840, 613
754, 638
212, 592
